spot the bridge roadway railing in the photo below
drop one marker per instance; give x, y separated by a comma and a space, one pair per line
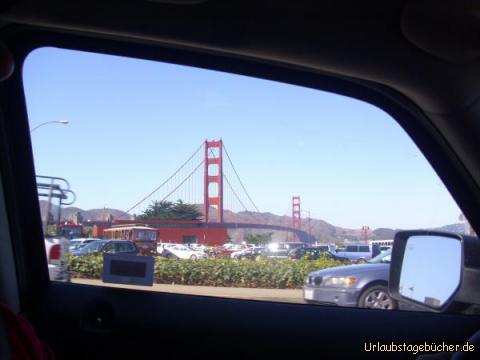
302, 235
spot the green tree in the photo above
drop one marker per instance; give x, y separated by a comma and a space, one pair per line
183, 211
258, 239
89, 231
167, 210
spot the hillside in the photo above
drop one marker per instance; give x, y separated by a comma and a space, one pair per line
69, 211
320, 229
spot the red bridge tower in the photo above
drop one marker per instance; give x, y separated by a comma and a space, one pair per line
296, 213
213, 196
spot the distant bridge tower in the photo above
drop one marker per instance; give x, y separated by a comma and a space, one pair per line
213, 196
365, 229
296, 213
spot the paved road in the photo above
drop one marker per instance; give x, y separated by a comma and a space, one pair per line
278, 295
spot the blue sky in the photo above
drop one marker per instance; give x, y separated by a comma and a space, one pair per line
133, 122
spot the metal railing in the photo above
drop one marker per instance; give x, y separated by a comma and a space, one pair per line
53, 187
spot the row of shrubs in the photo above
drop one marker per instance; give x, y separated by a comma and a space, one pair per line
268, 273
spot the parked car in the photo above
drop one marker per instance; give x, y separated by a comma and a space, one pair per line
228, 249
161, 246
248, 253
356, 253
76, 244
282, 249
180, 251
108, 246
362, 285
312, 253
56, 251
384, 248
323, 248
197, 247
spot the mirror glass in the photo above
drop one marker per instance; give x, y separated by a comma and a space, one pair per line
431, 269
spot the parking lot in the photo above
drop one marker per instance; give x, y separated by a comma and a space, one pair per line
278, 295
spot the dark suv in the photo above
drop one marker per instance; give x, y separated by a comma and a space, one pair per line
282, 249
311, 253
108, 246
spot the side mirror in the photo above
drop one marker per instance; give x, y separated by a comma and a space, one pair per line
428, 269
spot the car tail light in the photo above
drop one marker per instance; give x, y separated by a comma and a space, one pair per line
55, 252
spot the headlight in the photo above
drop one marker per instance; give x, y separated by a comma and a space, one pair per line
340, 281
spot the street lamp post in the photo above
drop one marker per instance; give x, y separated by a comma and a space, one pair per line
64, 122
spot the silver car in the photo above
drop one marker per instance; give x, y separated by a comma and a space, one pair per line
78, 243
364, 285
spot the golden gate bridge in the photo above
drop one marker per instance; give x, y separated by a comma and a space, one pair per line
215, 185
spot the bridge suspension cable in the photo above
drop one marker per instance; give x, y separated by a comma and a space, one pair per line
175, 177
165, 182
183, 182
239, 180
234, 192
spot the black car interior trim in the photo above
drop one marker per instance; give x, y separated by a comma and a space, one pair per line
344, 47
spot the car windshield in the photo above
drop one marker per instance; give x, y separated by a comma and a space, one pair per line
74, 245
143, 234
93, 246
383, 257
294, 246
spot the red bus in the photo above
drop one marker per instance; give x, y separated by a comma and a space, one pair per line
143, 236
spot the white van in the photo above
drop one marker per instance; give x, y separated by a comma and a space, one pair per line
357, 252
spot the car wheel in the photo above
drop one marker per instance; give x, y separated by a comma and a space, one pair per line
193, 257
361, 261
377, 297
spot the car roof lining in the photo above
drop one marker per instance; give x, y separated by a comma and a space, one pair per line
343, 37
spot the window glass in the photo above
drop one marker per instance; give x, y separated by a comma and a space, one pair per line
247, 169
382, 257
122, 247
109, 248
142, 234
93, 246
